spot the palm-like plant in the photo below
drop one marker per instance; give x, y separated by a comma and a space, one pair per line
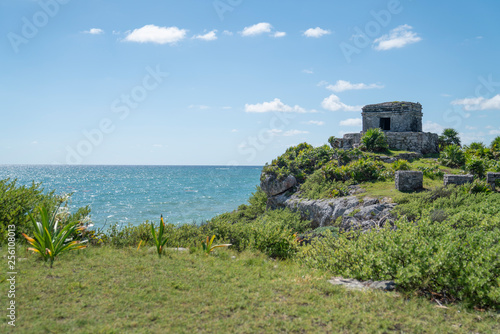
208, 247
375, 140
452, 156
158, 239
49, 240
449, 137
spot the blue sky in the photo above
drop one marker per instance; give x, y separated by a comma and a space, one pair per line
234, 81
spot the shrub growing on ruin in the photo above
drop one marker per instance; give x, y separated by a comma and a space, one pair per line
374, 140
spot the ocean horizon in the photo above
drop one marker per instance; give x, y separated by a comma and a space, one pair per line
133, 194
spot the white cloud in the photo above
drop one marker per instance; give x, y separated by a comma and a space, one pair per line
94, 31
445, 95
257, 29
34, 142
275, 105
227, 108
432, 127
351, 122
227, 33
333, 103
494, 132
158, 145
234, 130
316, 32
322, 83
471, 127
294, 133
396, 38
274, 132
154, 34
279, 34
209, 36
307, 72
318, 123
479, 103
342, 85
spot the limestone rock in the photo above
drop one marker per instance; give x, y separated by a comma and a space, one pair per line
272, 187
354, 284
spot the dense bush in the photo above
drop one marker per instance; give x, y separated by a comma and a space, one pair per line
476, 166
318, 186
374, 140
17, 201
299, 161
452, 156
428, 256
362, 170
401, 165
432, 172
495, 144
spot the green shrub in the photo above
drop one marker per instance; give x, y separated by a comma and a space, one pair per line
401, 164
317, 186
16, 202
452, 156
300, 161
495, 144
478, 186
475, 166
374, 140
432, 172
425, 256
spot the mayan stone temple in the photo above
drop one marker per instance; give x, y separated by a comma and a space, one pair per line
402, 124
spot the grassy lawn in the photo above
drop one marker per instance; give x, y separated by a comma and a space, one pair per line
108, 290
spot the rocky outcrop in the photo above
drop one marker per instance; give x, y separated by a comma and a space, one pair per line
272, 187
349, 213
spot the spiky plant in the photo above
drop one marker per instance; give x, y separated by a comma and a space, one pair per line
49, 240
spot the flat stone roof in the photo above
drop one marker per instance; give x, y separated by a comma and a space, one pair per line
396, 106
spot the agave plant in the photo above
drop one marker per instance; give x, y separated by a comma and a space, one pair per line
50, 240
208, 247
159, 241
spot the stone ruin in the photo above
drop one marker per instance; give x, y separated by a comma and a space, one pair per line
409, 180
402, 124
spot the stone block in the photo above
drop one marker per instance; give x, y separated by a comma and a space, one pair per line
409, 180
491, 178
457, 179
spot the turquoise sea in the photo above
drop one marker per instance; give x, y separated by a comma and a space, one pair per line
134, 194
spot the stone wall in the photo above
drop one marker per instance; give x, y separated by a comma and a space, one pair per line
491, 178
403, 116
457, 179
421, 142
409, 180
400, 121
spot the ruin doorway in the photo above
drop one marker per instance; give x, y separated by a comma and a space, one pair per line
385, 124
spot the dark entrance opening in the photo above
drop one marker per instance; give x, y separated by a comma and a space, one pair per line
385, 124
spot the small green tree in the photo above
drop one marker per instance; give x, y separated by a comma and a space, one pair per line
476, 166
448, 137
495, 144
374, 140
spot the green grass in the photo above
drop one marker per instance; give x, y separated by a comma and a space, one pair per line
109, 290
